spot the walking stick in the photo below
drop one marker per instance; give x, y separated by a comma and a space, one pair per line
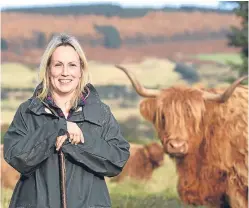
62, 169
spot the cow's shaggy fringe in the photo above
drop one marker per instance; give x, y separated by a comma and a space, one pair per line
215, 170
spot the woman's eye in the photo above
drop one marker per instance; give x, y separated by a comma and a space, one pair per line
73, 65
57, 64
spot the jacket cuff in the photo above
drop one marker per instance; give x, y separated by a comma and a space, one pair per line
63, 125
89, 141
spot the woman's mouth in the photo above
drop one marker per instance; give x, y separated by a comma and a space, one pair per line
65, 81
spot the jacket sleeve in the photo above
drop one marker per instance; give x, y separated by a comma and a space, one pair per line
25, 149
106, 156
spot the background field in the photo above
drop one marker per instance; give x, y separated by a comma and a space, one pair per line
18, 83
222, 58
162, 47
18, 80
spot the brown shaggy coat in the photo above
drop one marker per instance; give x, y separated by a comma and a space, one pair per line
142, 162
215, 170
9, 176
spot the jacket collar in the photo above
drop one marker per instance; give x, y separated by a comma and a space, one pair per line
91, 110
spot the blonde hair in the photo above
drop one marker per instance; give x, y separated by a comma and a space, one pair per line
63, 40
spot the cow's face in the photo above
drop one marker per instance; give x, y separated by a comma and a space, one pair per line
177, 116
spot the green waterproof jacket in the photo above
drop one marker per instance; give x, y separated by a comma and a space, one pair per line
29, 147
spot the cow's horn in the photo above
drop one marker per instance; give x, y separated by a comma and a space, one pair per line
138, 87
225, 95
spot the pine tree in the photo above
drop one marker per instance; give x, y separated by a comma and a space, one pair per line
239, 37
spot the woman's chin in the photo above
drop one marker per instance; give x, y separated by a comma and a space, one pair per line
65, 90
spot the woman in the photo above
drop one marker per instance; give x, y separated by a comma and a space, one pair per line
65, 115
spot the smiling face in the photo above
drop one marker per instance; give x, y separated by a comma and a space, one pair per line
65, 70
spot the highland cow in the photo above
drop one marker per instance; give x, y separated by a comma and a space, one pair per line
205, 131
142, 162
9, 176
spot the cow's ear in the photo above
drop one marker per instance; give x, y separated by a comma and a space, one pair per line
148, 109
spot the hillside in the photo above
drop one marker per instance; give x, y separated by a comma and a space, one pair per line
154, 24
159, 34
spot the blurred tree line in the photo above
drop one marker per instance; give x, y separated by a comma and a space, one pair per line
110, 39
110, 35
4, 44
110, 10
238, 37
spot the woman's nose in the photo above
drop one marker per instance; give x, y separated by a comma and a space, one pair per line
65, 71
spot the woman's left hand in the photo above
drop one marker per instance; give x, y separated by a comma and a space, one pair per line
74, 139
60, 140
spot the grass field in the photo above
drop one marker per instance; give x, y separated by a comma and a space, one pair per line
160, 191
222, 58
16, 75
150, 72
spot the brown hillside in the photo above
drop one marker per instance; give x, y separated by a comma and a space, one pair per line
176, 51
19, 31
153, 24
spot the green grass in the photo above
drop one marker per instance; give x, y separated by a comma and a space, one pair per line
222, 58
163, 179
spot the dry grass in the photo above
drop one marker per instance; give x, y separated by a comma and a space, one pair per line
5, 197
150, 72
213, 76
7, 116
15, 75
122, 114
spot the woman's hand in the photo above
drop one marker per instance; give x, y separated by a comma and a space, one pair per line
59, 141
75, 133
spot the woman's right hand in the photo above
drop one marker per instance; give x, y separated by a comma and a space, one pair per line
75, 133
